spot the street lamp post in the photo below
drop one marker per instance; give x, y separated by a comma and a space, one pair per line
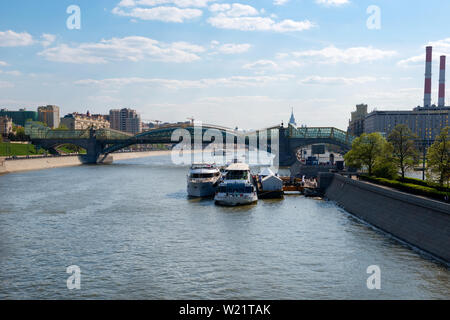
424, 157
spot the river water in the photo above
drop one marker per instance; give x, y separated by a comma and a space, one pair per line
134, 234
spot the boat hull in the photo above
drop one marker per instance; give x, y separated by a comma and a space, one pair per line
201, 190
235, 200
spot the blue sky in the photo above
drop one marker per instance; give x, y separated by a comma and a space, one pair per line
234, 63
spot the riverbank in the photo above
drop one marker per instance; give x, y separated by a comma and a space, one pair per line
420, 222
21, 165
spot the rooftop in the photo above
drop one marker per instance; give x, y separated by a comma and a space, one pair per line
238, 167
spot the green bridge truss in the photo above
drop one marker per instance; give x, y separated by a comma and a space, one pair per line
37, 131
114, 140
320, 133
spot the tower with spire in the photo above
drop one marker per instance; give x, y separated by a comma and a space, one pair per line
292, 120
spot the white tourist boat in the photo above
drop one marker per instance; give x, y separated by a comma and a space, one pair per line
237, 187
203, 180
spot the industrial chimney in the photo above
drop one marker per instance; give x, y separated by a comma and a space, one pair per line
441, 102
428, 62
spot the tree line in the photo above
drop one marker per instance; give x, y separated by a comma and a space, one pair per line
394, 156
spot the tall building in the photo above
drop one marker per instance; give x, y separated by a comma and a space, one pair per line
126, 120
356, 123
292, 119
49, 115
78, 121
426, 123
5, 126
20, 117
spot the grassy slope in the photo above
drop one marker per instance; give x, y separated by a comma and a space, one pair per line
8, 149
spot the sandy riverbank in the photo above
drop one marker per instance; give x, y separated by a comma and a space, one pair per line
20, 165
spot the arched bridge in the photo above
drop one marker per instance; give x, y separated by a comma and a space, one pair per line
294, 138
105, 141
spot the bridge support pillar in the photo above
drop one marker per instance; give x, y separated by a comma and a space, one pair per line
93, 151
286, 157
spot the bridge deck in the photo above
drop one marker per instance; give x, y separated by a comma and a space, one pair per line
36, 131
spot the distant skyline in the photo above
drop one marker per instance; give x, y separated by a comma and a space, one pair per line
231, 63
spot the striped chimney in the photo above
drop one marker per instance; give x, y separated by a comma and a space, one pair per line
442, 83
428, 62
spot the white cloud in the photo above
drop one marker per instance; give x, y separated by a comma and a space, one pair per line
165, 14
6, 84
132, 48
280, 2
234, 81
221, 99
397, 99
336, 80
260, 64
247, 18
11, 73
291, 25
47, 39
222, 21
233, 48
239, 10
176, 11
178, 3
127, 3
412, 61
3, 64
335, 3
219, 7
332, 55
440, 47
187, 47
103, 99
13, 39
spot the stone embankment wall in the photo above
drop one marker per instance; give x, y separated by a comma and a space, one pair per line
420, 222
19, 165
10, 166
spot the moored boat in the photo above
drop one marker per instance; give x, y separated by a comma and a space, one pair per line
203, 180
237, 187
270, 186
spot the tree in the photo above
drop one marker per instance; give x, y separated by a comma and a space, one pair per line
366, 150
438, 157
62, 127
18, 134
404, 153
40, 123
385, 166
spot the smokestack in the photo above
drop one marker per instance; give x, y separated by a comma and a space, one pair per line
441, 102
428, 62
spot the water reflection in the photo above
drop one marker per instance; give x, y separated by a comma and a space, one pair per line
136, 235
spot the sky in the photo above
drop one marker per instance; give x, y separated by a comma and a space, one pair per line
231, 63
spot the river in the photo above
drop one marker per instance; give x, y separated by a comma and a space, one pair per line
134, 234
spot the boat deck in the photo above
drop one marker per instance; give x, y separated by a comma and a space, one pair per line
290, 186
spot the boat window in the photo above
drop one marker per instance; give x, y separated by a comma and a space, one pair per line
237, 175
235, 188
202, 175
